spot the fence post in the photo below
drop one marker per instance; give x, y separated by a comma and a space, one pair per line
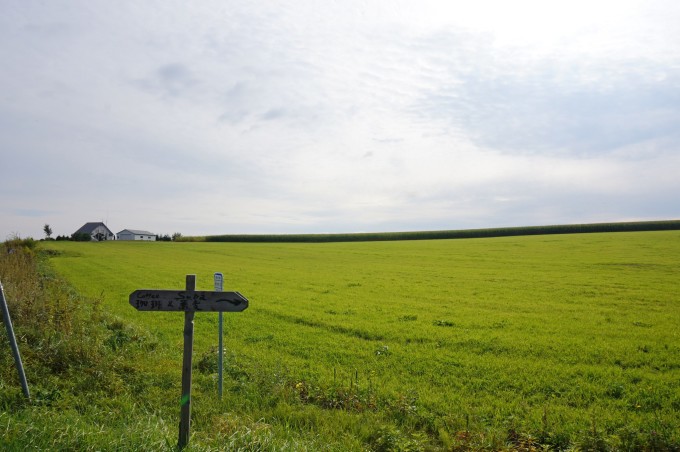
13, 343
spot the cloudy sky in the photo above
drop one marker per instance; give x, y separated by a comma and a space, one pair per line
228, 116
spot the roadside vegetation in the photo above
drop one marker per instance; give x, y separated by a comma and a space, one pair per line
514, 343
80, 364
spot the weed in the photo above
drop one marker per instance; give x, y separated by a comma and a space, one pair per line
408, 318
390, 439
353, 398
383, 350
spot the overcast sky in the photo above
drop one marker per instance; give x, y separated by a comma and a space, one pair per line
214, 117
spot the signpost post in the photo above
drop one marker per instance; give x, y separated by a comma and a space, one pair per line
188, 301
185, 400
219, 287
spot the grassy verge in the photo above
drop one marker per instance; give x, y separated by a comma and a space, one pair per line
81, 365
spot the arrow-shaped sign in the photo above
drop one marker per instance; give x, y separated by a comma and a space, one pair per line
173, 300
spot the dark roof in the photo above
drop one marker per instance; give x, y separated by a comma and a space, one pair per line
88, 228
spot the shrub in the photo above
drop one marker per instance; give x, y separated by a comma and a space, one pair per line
17, 244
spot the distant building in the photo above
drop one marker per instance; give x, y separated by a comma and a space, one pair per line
97, 231
136, 234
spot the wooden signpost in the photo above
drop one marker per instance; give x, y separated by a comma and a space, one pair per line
189, 301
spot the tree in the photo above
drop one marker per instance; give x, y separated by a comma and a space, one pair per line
81, 237
48, 231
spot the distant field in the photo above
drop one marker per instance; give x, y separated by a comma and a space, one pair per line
562, 338
634, 226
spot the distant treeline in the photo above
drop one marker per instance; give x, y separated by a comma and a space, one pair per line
449, 234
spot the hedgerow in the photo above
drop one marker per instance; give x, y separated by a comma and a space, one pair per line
445, 234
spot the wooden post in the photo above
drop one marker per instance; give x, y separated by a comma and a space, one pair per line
185, 401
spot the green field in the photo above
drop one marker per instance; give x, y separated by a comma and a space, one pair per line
557, 340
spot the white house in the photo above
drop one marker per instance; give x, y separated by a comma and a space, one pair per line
136, 234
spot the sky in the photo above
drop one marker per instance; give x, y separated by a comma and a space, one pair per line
219, 117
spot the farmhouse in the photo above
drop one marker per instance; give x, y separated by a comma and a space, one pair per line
97, 232
136, 234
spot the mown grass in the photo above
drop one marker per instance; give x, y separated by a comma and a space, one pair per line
100, 383
558, 341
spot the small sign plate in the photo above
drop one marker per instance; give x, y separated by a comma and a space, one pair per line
219, 282
197, 301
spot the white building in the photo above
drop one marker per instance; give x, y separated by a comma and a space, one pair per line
136, 234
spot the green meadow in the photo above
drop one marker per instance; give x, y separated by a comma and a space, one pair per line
521, 343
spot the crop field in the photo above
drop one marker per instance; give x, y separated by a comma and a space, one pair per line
556, 341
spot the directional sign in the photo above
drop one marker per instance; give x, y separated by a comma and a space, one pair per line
187, 301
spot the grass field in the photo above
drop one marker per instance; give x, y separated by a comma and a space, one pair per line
560, 341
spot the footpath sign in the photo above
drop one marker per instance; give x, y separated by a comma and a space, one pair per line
183, 300
188, 301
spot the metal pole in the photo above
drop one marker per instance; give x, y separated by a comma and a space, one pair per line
13, 343
185, 401
220, 360
219, 286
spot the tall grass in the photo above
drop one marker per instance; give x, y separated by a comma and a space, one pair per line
79, 362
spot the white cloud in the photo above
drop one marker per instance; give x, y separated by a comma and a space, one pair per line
320, 116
